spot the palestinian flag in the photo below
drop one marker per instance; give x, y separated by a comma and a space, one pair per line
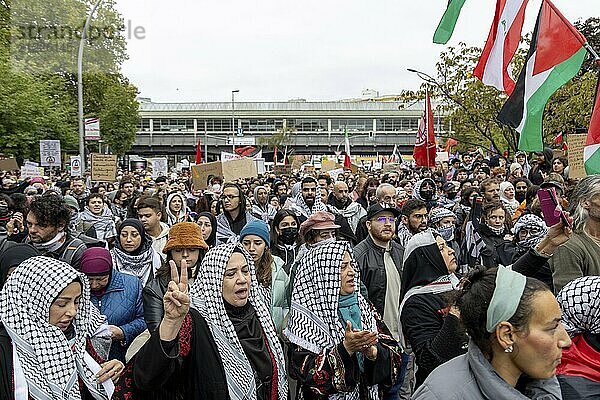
555, 56
591, 151
494, 67
443, 33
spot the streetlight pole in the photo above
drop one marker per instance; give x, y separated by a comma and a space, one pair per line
80, 86
233, 92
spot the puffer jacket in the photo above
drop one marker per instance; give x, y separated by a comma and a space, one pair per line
280, 281
369, 258
122, 305
472, 377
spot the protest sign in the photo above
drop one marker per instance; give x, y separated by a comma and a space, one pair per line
50, 153
104, 167
576, 143
201, 172
8, 164
30, 171
75, 166
160, 167
282, 169
229, 171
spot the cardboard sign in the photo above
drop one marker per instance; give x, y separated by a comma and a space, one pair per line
229, 171
9, 164
334, 173
576, 143
238, 169
104, 167
50, 153
329, 165
392, 167
282, 170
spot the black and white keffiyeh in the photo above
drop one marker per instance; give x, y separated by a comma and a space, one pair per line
51, 363
313, 322
266, 212
181, 215
103, 224
529, 221
206, 296
580, 304
300, 208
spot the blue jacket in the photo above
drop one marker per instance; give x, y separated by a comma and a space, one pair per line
123, 307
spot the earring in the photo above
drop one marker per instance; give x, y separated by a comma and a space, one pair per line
509, 349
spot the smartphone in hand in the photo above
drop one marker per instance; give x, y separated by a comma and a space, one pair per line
551, 209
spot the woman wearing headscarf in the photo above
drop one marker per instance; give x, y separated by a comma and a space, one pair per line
516, 341
579, 370
208, 225
45, 351
338, 350
98, 214
185, 244
273, 280
176, 208
285, 237
425, 190
429, 325
223, 346
116, 295
507, 196
133, 253
261, 207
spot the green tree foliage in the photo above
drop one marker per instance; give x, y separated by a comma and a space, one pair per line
38, 89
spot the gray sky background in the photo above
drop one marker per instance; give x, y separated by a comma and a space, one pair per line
312, 49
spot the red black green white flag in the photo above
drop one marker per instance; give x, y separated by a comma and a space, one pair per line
425, 149
555, 56
591, 151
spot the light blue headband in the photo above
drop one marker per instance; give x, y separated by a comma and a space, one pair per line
510, 286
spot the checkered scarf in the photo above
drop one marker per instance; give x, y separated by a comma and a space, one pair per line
301, 208
580, 305
207, 297
313, 322
51, 363
530, 221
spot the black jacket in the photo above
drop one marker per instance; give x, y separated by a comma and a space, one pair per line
369, 258
152, 297
489, 256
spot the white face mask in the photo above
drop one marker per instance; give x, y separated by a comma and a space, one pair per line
216, 188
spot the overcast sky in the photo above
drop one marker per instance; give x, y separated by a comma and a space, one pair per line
313, 49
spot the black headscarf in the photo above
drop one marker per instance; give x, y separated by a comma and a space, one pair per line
211, 241
423, 261
13, 256
137, 224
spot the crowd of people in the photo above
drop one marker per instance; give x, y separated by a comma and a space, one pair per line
403, 283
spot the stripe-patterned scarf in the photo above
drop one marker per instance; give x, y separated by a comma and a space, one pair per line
50, 364
206, 296
313, 322
580, 304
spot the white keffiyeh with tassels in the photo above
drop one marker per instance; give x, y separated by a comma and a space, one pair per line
313, 322
51, 363
206, 295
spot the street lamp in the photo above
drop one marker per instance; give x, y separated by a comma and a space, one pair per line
80, 86
233, 92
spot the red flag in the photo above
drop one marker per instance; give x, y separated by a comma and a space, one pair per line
425, 151
347, 161
450, 143
559, 138
199, 153
275, 156
593, 137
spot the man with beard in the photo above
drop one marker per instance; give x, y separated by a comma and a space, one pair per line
308, 200
47, 230
521, 186
385, 195
342, 204
413, 220
79, 191
542, 165
379, 259
425, 191
490, 190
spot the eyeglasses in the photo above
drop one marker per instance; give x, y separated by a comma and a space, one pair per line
529, 231
229, 197
384, 220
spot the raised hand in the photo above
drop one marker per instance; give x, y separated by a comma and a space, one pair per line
355, 340
176, 302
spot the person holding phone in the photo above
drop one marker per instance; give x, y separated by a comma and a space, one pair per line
339, 349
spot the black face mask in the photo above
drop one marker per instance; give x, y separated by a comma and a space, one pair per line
451, 195
289, 235
426, 194
520, 196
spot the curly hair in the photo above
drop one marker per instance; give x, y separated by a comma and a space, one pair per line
50, 211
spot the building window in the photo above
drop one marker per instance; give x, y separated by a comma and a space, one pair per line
144, 125
307, 125
261, 125
352, 125
215, 125
173, 125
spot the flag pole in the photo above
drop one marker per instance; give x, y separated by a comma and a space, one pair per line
427, 125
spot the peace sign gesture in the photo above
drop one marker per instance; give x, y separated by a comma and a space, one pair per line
176, 302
